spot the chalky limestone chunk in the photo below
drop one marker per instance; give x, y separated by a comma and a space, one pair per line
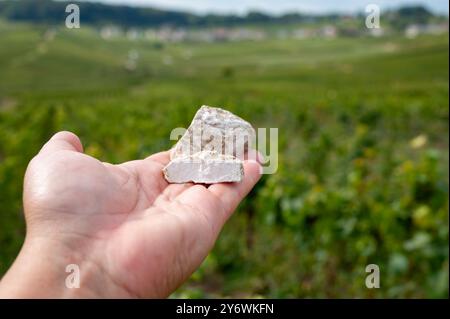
205, 167
211, 149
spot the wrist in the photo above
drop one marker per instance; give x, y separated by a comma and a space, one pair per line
45, 268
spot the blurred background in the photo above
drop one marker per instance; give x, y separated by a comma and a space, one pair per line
362, 117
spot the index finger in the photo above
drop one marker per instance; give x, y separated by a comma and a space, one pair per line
219, 201
231, 194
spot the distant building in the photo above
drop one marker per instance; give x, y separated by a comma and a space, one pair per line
328, 31
413, 30
376, 32
132, 34
110, 32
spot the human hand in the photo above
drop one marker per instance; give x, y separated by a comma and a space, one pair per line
130, 232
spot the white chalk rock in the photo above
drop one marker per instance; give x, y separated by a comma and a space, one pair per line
215, 129
205, 167
210, 150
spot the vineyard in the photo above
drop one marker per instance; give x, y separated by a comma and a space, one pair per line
363, 148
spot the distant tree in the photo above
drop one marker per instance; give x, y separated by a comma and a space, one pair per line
405, 16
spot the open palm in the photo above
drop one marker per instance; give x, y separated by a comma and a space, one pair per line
131, 233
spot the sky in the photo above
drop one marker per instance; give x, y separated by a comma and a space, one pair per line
279, 6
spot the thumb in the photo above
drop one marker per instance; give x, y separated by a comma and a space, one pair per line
62, 141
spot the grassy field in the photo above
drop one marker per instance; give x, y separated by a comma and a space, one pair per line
363, 148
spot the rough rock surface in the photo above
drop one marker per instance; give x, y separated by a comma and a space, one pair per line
210, 150
215, 129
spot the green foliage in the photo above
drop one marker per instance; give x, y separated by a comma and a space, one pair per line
363, 152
